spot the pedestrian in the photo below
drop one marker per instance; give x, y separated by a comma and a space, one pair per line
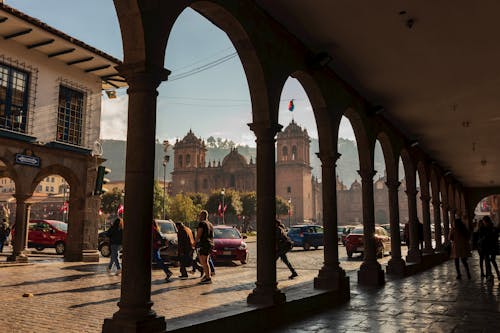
490, 248
158, 243
205, 241
185, 248
460, 248
481, 245
115, 235
4, 233
283, 245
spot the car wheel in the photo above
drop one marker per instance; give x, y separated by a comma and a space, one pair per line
307, 246
349, 254
39, 248
60, 247
244, 261
105, 250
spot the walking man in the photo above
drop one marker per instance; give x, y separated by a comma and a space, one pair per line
283, 245
185, 248
205, 241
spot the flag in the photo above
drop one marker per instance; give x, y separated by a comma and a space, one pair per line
120, 210
291, 106
100, 212
64, 207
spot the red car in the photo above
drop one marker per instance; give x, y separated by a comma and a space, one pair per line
47, 233
229, 245
354, 242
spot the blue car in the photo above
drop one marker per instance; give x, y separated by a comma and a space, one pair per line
306, 236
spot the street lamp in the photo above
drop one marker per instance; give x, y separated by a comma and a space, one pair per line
223, 192
289, 211
166, 158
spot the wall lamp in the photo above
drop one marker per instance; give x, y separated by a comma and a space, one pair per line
413, 143
447, 173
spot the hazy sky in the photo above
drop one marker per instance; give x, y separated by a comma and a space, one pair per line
213, 102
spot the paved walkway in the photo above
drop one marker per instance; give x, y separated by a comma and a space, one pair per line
76, 297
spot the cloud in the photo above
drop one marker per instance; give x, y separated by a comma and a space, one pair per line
114, 118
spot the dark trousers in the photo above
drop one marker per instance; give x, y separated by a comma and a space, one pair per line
282, 255
464, 262
490, 260
159, 261
185, 260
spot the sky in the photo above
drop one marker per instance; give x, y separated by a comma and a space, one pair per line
214, 102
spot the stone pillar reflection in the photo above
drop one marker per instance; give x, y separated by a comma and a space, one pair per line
453, 215
331, 275
414, 254
446, 223
396, 264
135, 313
437, 225
370, 272
266, 291
20, 241
426, 214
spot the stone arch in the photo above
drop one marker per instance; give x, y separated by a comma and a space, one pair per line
409, 166
423, 175
8, 170
365, 144
390, 157
65, 172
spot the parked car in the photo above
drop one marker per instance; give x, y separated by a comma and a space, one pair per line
229, 245
103, 244
354, 242
169, 231
306, 236
47, 234
347, 229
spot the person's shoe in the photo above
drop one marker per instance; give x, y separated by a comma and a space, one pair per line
118, 271
212, 273
205, 281
183, 277
294, 275
169, 274
108, 270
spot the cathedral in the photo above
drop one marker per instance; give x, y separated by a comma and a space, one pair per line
294, 180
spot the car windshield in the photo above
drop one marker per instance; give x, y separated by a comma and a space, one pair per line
167, 228
60, 226
357, 231
228, 233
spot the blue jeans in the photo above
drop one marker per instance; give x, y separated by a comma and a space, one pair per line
159, 261
115, 249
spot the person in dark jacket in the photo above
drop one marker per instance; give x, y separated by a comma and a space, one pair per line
115, 235
489, 247
205, 241
283, 245
4, 233
157, 245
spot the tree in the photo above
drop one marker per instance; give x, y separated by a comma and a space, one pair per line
182, 208
158, 201
111, 200
232, 202
199, 199
249, 208
281, 206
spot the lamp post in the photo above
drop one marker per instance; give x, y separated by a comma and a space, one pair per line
223, 192
166, 158
289, 211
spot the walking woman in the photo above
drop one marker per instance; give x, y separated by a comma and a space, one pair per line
489, 244
115, 234
205, 241
460, 249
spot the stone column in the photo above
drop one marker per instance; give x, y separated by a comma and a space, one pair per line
425, 198
266, 291
437, 225
396, 264
370, 272
453, 216
446, 223
331, 275
414, 255
19, 247
135, 313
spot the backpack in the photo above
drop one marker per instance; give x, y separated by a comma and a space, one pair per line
285, 243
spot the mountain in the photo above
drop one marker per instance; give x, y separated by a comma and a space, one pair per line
347, 165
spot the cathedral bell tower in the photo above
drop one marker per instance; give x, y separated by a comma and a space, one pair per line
293, 172
189, 155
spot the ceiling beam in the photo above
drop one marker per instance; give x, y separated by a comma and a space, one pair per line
17, 34
58, 53
79, 61
42, 43
97, 68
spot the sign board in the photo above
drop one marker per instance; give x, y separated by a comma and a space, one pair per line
28, 158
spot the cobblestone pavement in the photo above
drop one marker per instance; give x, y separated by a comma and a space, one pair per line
76, 297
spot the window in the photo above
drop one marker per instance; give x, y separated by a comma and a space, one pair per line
52, 189
52, 180
289, 189
180, 161
13, 98
70, 116
188, 160
294, 152
285, 153
46, 188
39, 188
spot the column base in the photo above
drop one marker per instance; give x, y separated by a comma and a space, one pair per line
371, 274
396, 267
90, 256
440, 248
22, 258
266, 297
428, 251
72, 256
155, 324
333, 279
414, 256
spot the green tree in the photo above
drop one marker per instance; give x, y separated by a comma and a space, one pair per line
182, 208
111, 200
158, 201
281, 206
199, 199
231, 200
248, 204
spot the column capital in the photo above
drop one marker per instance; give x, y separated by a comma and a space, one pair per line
265, 131
367, 174
425, 198
142, 76
328, 159
436, 202
392, 184
21, 197
412, 192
